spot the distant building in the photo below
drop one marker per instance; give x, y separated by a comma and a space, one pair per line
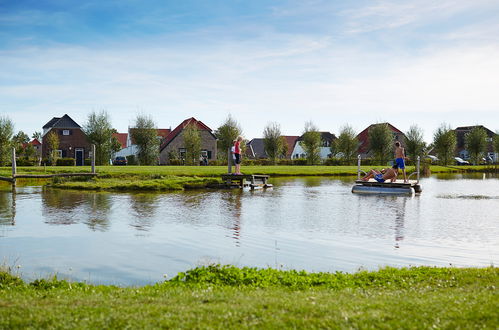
37, 145
327, 139
363, 138
128, 146
461, 148
72, 140
174, 142
256, 148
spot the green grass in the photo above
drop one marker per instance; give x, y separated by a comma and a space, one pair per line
163, 178
229, 297
207, 171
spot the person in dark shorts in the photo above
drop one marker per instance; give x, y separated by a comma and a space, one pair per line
237, 154
400, 159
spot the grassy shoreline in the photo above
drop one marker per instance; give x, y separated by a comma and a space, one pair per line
226, 296
171, 178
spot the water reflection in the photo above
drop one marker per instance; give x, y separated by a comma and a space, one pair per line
234, 209
143, 207
7, 208
62, 207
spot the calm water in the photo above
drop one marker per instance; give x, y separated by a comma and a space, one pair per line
315, 224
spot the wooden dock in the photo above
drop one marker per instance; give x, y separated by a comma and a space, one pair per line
252, 181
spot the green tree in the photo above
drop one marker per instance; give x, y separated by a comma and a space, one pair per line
37, 135
115, 145
99, 132
495, 143
272, 141
145, 135
381, 142
52, 141
311, 143
414, 144
475, 141
18, 142
226, 134
192, 143
284, 151
346, 143
444, 142
6, 132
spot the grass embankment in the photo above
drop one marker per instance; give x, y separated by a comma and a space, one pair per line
229, 297
158, 178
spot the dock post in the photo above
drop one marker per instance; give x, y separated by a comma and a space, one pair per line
14, 167
358, 167
417, 168
93, 158
229, 161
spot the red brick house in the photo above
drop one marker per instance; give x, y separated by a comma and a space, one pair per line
37, 145
174, 142
363, 137
72, 140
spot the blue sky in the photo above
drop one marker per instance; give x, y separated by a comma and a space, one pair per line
331, 62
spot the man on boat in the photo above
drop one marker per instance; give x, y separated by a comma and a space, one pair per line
383, 175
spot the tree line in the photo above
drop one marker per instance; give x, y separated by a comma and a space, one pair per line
99, 131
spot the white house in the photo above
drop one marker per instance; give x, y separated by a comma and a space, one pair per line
325, 150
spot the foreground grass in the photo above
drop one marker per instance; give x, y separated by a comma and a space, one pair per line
218, 297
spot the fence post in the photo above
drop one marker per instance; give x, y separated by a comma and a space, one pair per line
229, 161
358, 167
93, 158
14, 166
417, 167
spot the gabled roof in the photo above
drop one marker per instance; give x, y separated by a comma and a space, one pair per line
35, 142
173, 134
257, 148
122, 138
290, 141
466, 129
62, 122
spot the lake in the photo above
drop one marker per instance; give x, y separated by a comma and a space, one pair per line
315, 224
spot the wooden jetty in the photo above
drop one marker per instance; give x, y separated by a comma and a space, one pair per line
399, 187
16, 176
252, 181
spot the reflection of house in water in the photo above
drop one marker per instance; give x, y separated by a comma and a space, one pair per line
61, 207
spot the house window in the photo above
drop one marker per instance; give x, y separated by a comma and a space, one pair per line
65, 132
181, 152
59, 153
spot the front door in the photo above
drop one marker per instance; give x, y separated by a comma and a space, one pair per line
79, 155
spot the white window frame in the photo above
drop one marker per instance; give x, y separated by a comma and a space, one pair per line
66, 132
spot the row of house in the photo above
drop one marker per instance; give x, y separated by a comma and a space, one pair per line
73, 142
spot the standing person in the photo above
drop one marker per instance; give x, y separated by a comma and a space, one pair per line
399, 158
237, 154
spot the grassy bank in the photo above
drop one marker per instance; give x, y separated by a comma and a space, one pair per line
210, 171
219, 297
163, 178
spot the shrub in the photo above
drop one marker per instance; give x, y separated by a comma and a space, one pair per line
26, 162
87, 162
131, 160
175, 162
300, 161
65, 162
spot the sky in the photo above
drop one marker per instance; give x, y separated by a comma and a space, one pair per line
413, 62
